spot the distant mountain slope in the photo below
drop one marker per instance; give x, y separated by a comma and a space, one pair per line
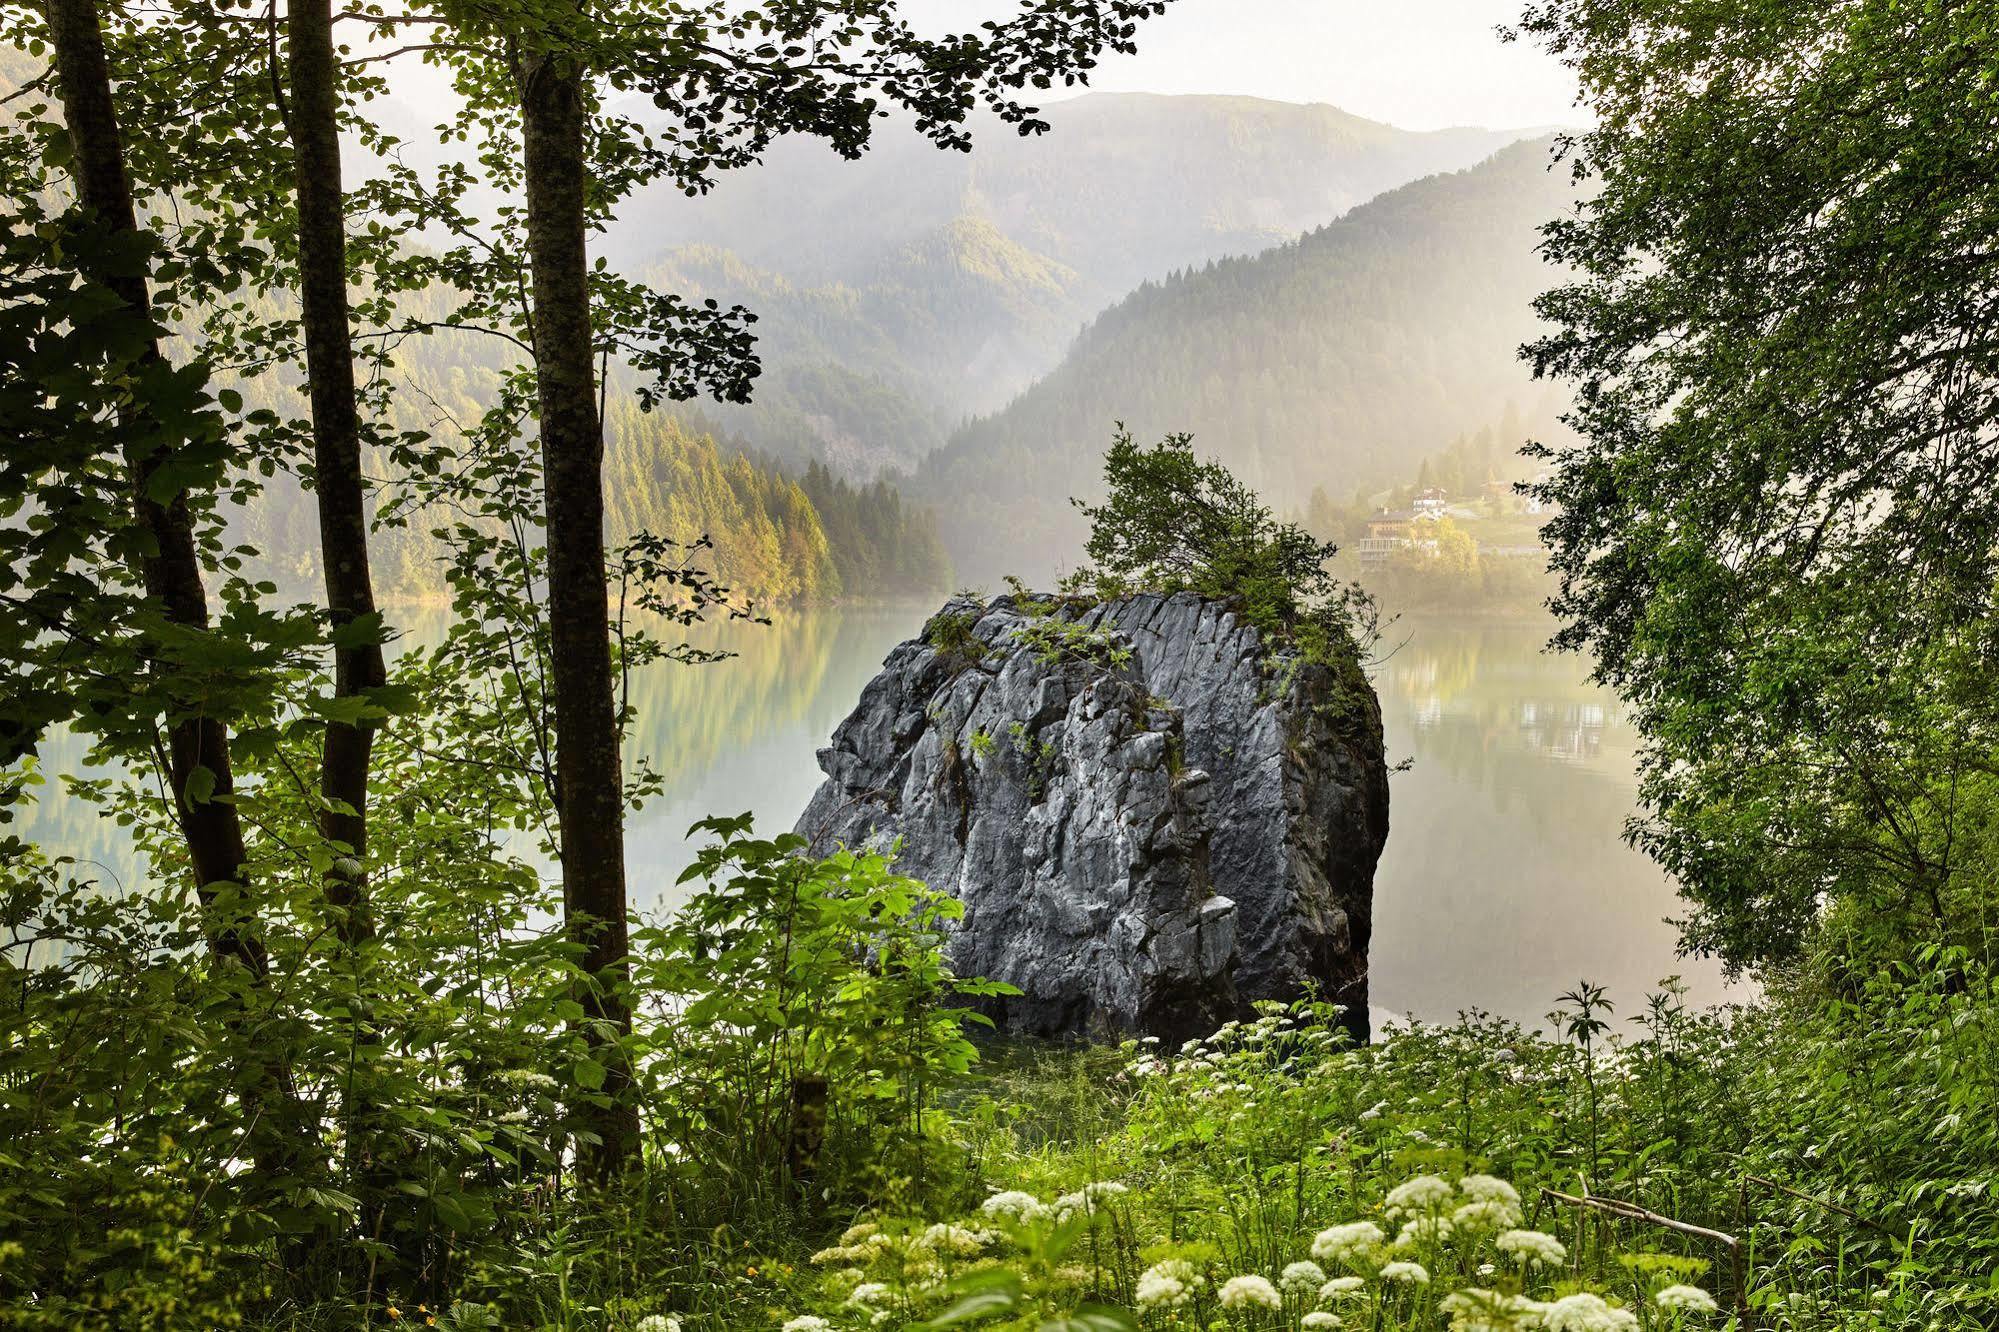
913, 288
1123, 187
873, 374
1333, 361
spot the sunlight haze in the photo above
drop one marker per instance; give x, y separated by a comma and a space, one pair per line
1419, 64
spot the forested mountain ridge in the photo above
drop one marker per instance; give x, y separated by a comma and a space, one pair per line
1122, 187
782, 533
923, 287
1335, 360
872, 374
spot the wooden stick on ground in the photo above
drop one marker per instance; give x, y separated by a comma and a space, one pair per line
1630, 1211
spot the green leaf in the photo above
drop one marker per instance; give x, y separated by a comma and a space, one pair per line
1093, 1318
984, 1295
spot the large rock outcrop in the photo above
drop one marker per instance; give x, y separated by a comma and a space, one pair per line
1151, 817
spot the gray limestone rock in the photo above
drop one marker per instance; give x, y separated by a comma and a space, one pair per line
1151, 818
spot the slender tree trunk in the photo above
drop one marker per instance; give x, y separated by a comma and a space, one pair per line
589, 777
280, 1129
343, 537
336, 442
172, 569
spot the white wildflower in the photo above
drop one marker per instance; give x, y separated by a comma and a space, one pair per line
1014, 1203
1089, 1199
1319, 1320
1586, 1313
1685, 1299
527, 1077
807, 1323
1532, 1247
1476, 1310
1301, 1278
1341, 1288
1424, 1231
855, 1234
1485, 1215
1489, 1188
1413, 1273
1425, 1193
957, 1240
657, 1323
869, 1293
1350, 1243
1241, 1292
1165, 1285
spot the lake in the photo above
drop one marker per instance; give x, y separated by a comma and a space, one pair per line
1505, 879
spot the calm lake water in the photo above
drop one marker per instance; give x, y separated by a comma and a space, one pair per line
1505, 880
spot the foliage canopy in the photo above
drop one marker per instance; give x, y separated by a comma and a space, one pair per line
1779, 534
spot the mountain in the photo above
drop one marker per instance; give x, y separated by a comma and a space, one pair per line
903, 292
1336, 360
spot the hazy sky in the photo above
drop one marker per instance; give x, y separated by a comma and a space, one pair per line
1421, 64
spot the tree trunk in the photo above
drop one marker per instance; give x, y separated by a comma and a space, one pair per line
172, 569
343, 537
589, 777
280, 1129
336, 444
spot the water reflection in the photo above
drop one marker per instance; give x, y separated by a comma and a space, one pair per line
1504, 882
1506, 879
742, 734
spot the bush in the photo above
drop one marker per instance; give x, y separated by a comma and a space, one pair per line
1171, 522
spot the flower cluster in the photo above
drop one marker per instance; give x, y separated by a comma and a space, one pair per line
1685, 1299
1423, 1194
1532, 1248
1444, 1229
1250, 1291
1086, 1201
1353, 1244
1167, 1285
1015, 1205
1584, 1312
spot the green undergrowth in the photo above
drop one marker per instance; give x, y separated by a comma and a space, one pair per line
1819, 1161
1815, 1162
826, 1147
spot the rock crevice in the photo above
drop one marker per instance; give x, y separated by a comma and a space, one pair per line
1151, 818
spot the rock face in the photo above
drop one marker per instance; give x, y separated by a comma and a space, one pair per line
1150, 818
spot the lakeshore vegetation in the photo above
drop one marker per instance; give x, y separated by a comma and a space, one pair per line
377, 1041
